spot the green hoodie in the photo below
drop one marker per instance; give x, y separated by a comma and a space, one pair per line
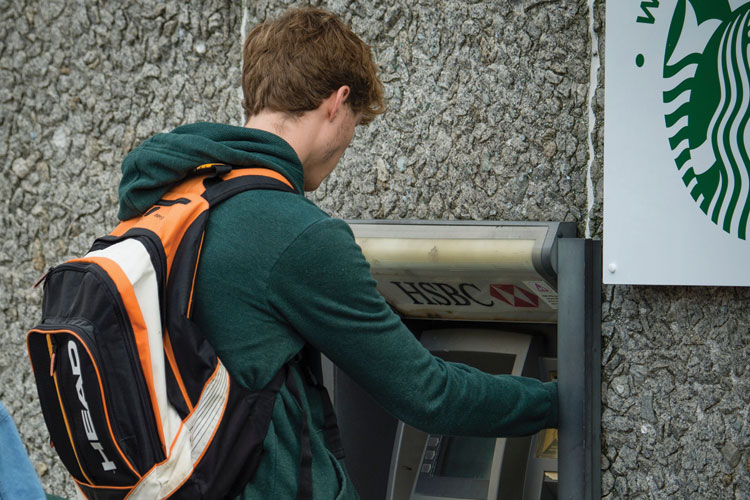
277, 272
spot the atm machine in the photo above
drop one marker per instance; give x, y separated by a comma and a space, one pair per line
506, 298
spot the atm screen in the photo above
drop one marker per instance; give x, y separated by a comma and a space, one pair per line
462, 467
466, 457
458, 467
494, 363
471, 457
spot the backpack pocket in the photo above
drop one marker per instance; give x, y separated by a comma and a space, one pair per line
76, 407
91, 382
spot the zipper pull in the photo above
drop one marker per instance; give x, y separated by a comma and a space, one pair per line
52, 360
43, 278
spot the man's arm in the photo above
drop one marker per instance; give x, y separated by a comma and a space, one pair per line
322, 286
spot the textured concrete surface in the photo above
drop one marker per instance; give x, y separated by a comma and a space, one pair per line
489, 119
80, 84
676, 393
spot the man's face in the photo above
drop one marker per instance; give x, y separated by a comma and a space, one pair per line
337, 141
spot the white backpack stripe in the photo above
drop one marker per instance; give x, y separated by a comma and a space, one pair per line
187, 444
205, 418
135, 262
191, 442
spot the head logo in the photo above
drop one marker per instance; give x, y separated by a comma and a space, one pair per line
707, 93
88, 424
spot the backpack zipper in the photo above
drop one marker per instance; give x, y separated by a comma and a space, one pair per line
43, 278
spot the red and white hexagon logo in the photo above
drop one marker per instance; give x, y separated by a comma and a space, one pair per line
515, 296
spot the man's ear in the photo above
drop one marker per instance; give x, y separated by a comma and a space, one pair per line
338, 98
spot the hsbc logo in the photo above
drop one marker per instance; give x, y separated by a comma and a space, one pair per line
441, 294
515, 296
429, 293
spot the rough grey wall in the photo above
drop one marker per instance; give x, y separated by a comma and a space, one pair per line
81, 83
675, 420
489, 119
487, 112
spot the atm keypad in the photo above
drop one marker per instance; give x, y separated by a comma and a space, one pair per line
430, 453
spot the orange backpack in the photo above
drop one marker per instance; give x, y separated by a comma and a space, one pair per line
136, 401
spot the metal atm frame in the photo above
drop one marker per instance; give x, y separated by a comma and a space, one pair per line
568, 319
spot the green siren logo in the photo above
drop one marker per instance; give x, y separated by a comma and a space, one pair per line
707, 81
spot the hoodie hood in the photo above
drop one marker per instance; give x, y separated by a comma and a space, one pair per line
152, 168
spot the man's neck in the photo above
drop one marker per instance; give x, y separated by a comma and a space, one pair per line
298, 131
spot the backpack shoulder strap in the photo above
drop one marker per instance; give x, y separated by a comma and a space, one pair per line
210, 185
310, 363
225, 181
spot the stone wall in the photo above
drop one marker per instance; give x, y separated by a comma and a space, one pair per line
489, 119
81, 83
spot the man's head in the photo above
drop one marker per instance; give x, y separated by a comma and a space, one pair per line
292, 64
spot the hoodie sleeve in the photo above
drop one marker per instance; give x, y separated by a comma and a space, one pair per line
322, 286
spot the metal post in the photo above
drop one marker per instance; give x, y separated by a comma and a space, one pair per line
579, 369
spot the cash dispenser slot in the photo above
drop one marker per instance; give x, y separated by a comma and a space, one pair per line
489, 295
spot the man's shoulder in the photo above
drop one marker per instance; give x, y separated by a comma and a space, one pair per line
307, 218
276, 204
278, 215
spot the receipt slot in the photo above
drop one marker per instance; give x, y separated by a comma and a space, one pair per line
506, 298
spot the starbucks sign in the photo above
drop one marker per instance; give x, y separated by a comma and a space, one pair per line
677, 142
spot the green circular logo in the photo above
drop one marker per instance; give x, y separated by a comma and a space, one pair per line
707, 76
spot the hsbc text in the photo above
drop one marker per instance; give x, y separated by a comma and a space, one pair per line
442, 294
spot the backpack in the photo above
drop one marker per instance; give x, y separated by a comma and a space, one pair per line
135, 399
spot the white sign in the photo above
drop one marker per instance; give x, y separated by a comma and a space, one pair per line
677, 143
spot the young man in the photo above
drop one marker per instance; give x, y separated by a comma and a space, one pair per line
277, 273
